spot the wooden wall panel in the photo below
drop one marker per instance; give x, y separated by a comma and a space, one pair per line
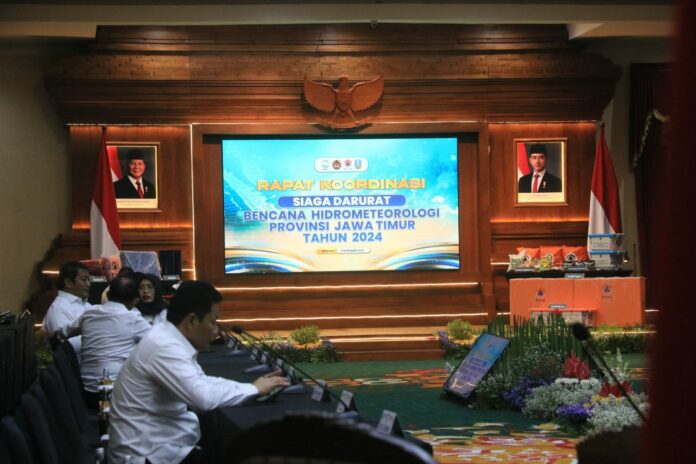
580, 160
174, 176
531, 226
488, 84
236, 74
392, 291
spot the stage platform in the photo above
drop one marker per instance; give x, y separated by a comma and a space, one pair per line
383, 343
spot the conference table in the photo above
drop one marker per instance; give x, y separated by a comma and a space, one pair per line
219, 427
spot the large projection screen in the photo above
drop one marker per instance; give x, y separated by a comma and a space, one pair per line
300, 204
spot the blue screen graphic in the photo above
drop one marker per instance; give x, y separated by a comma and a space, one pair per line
340, 204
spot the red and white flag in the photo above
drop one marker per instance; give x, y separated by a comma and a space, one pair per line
605, 209
105, 237
114, 164
522, 162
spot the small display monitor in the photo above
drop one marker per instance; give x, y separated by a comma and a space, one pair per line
483, 355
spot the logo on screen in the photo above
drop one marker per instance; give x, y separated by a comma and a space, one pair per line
340, 165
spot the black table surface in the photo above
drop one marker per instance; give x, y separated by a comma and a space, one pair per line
560, 273
222, 424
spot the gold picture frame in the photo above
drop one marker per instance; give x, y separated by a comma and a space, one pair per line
134, 170
540, 172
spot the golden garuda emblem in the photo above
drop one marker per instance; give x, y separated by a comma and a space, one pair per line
343, 102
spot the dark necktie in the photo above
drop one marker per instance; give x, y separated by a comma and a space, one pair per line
141, 194
534, 187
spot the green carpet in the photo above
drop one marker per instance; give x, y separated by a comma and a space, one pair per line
458, 433
410, 388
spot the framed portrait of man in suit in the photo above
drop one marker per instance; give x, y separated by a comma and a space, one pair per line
134, 173
540, 172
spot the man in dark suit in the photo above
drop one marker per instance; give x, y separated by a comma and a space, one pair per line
539, 180
133, 185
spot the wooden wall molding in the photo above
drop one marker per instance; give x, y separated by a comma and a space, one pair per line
74, 244
168, 75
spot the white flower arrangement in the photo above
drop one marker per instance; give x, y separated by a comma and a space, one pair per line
613, 414
544, 401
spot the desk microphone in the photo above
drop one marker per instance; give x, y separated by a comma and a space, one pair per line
583, 334
239, 330
239, 350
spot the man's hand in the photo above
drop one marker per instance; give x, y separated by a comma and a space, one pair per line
270, 381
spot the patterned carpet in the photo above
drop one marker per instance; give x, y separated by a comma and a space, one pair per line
457, 432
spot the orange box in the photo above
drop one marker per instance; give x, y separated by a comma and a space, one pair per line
539, 293
618, 300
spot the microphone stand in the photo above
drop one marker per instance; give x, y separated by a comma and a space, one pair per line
239, 348
581, 333
239, 330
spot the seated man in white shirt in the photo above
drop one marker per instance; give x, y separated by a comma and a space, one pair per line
161, 379
109, 333
71, 302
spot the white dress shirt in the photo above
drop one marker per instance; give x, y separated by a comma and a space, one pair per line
65, 309
156, 319
109, 333
159, 381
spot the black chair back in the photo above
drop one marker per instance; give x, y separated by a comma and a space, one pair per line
16, 443
65, 452
52, 384
8, 367
310, 437
72, 387
42, 440
74, 362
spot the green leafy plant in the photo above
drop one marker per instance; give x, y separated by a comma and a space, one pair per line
324, 353
490, 390
42, 347
459, 330
525, 334
305, 335
633, 342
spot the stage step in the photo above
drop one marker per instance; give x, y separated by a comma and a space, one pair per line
386, 348
382, 343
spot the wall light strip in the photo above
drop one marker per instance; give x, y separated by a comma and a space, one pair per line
414, 338
309, 124
50, 272
652, 310
500, 263
193, 204
339, 318
107, 124
354, 287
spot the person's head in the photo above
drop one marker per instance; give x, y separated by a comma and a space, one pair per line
194, 310
73, 278
123, 289
537, 157
126, 271
136, 163
148, 287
